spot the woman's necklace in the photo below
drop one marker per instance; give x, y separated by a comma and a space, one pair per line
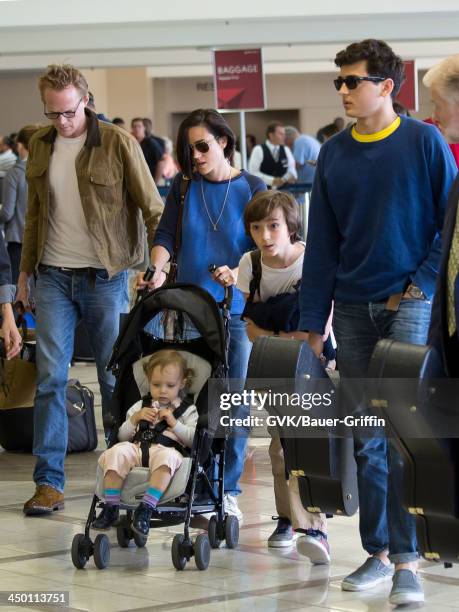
215, 225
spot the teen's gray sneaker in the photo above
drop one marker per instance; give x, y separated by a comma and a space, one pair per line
406, 588
368, 575
283, 535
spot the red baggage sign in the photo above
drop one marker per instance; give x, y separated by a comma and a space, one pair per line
408, 94
239, 80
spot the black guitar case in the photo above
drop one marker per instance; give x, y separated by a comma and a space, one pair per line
323, 463
423, 404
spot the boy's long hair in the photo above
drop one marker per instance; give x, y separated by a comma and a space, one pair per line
167, 357
263, 204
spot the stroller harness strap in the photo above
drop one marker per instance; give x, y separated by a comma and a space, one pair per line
153, 435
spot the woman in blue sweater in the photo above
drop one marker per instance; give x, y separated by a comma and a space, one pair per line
212, 233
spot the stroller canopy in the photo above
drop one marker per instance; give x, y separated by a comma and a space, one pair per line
191, 300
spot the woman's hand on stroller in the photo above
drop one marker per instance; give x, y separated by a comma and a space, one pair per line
225, 276
158, 279
145, 414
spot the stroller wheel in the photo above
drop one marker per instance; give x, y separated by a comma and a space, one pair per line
231, 531
123, 534
80, 550
213, 532
178, 558
140, 540
202, 551
101, 551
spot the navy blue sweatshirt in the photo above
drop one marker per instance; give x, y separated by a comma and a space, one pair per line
377, 210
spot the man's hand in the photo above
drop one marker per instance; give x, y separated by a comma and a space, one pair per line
11, 335
22, 293
225, 276
145, 414
316, 342
278, 181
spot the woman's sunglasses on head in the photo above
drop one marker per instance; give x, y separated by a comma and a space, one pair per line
352, 81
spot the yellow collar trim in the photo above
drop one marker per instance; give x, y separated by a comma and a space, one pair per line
390, 129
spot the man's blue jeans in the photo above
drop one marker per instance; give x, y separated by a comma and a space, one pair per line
384, 523
63, 298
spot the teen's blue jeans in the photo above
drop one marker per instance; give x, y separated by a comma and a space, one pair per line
63, 298
384, 523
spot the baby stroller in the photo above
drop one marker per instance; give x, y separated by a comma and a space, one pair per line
197, 487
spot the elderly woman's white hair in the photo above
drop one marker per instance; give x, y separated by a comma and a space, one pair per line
445, 77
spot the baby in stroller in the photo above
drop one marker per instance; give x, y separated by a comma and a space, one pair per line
180, 476
162, 425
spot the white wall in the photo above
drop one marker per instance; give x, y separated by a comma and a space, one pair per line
130, 92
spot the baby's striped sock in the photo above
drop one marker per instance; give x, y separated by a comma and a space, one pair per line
112, 496
152, 497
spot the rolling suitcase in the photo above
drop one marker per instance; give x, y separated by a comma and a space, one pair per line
324, 464
419, 411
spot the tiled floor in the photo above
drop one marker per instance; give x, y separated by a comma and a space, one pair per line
35, 555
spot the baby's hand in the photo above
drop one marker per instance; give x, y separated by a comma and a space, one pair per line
166, 414
145, 414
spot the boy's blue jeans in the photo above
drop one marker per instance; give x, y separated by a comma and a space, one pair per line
384, 523
62, 299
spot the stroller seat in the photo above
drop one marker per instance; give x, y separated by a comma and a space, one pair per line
136, 482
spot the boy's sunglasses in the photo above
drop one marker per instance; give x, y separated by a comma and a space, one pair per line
352, 81
201, 145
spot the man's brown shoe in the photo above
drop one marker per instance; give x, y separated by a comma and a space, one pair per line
45, 501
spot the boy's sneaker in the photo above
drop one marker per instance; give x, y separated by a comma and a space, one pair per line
108, 516
406, 588
231, 507
368, 575
314, 545
283, 535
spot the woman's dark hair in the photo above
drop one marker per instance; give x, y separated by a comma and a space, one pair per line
214, 123
264, 202
381, 60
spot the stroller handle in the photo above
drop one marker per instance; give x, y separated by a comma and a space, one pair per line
228, 297
147, 276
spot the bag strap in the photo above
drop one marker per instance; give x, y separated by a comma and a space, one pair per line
254, 287
184, 185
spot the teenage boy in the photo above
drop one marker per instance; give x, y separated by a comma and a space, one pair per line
373, 248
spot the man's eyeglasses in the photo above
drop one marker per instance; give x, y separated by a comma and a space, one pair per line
201, 145
352, 81
70, 114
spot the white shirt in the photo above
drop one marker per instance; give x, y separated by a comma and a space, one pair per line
256, 159
273, 280
183, 431
68, 242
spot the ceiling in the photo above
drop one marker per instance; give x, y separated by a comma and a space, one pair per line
176, 40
